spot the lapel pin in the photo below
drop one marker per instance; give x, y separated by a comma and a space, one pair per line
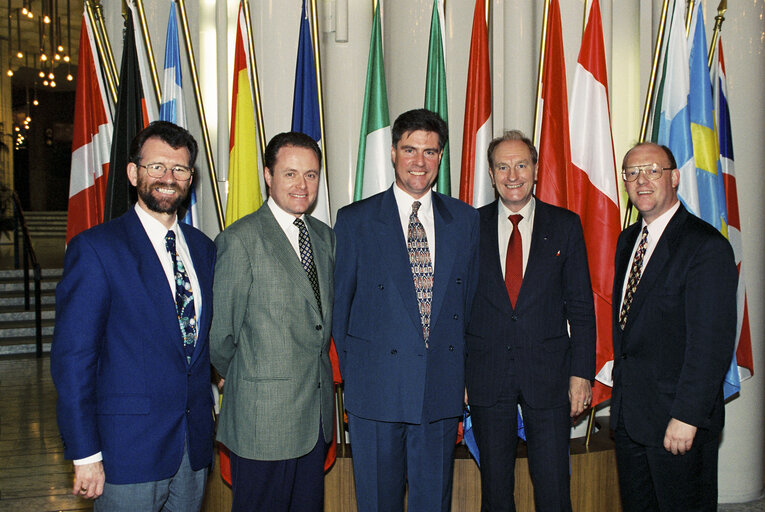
558, 253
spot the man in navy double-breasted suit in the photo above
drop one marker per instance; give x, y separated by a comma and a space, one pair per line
131, 366
531, 337
405, 276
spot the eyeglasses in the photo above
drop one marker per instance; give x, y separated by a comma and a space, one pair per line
650, 171
157, 170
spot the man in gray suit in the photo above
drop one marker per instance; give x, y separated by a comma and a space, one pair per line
270, 337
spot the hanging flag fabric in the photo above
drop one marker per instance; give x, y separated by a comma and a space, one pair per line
554, 142
305, 108
592, 190
150, 99
91, 140
172, 107
374, 168
128, 121
245, 183
707, 153
475, 184
743, 335
672, 119
435, 87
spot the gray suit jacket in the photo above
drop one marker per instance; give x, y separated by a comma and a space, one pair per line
269, 341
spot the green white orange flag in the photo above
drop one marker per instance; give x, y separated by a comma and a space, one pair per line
374, 169
435, 86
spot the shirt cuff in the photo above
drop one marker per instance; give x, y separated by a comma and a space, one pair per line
97, 457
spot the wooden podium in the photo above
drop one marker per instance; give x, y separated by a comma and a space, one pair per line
594, 483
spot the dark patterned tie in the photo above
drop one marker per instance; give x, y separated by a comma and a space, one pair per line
514, 261
184, 299
306, 258
635, 272
422, 268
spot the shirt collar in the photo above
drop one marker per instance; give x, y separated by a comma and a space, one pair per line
284, 219
404, 201
657, 226
526, 212
154, 228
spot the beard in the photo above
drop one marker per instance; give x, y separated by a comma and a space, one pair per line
161, 204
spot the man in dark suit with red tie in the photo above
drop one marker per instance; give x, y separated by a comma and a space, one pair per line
674, 332
531, 338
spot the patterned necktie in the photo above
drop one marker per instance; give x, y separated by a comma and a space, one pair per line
514, 261
184, 299
422, 268
306, 258
635, 272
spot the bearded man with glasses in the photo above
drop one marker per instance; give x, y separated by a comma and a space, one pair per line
674, 326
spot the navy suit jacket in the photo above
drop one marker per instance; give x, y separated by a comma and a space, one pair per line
671, 358
389, 375
117, 358
532, 340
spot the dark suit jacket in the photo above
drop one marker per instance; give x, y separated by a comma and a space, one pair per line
389, 375
671, 358
532, 339
117, 358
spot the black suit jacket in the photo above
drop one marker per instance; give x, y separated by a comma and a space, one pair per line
671, 358
532, 340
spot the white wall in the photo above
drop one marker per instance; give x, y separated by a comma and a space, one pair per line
629, 31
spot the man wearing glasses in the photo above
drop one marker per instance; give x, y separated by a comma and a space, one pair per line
130, 356
674, 328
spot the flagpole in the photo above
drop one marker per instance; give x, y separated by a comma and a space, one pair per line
255, 82
109, 60
649, 95
149, 50
317, 65
541, 71
718, 25
111, 80
688, 16
201, 111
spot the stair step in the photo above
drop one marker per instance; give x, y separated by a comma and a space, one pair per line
8, 314
13, 328
19, 273
23, 345
16, 298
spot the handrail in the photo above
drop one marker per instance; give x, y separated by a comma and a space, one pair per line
28, 254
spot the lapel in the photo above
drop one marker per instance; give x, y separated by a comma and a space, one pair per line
201, 262
322, 257
491, 265
542, 234
391, 246
277, 244
152, 276
446, 242
659, 258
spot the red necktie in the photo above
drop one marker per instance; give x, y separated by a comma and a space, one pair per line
514, 261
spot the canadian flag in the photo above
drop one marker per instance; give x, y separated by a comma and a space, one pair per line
91, 140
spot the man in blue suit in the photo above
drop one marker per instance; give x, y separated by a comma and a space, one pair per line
130, 356
531, 338
405, 277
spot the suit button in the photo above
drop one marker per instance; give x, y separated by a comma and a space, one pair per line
188, 411
451, 348
318, 327
624, 356
319, 385
456, 316
381, 286
514, 318
459, 280
393, 352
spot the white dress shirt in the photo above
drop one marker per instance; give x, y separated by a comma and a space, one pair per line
655, 230
285, 221
425, 214
505, 228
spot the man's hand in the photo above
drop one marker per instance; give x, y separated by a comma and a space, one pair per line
679, 437
220, 384
466, 401
89, 480
579, 394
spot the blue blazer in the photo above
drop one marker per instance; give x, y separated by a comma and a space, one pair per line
532, 340
389, 375
117, 358
671, 358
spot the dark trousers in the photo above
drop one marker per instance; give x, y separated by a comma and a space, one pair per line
292, 485
547, 439
387, 455
652, 479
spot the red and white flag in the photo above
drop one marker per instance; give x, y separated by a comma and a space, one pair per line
592, 190
475, 185
554, 149
91, 140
